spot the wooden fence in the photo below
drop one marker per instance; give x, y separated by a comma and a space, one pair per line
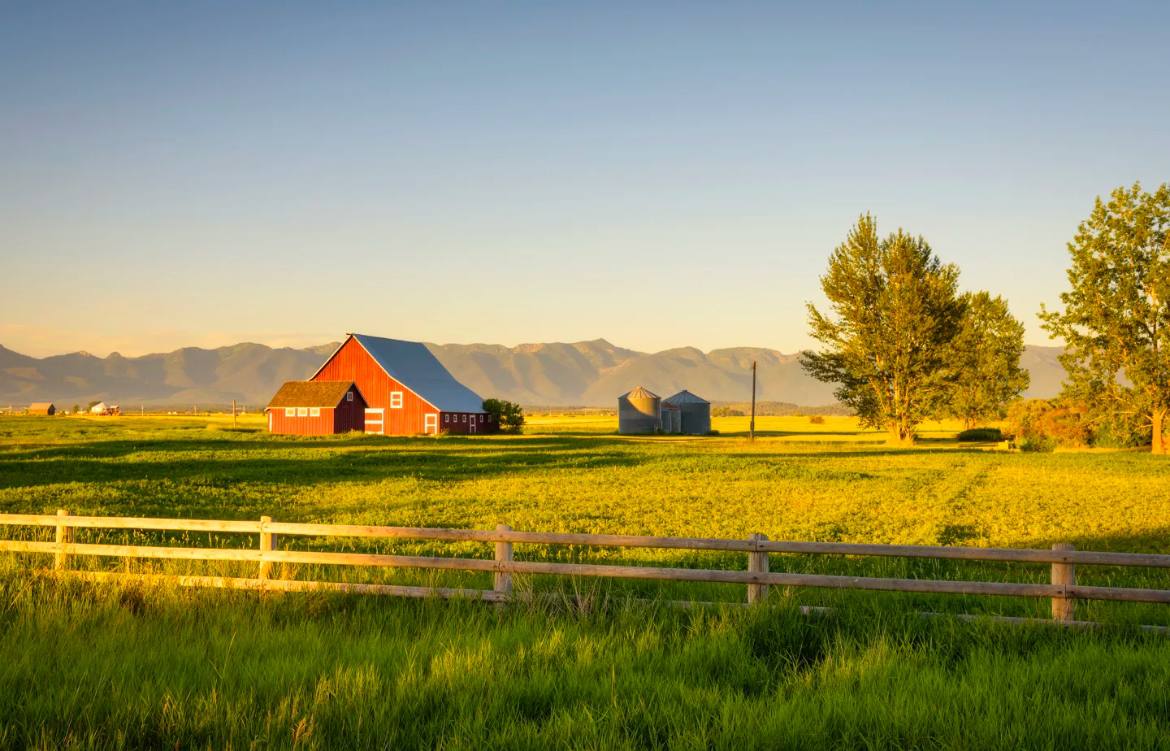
1063, 589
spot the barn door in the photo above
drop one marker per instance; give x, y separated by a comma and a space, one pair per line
376, 420
471, 425
430, 423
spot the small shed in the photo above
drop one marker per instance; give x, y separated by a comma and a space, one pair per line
316, 408
42, 408
670, 417
100, 408
639, 411
695, 412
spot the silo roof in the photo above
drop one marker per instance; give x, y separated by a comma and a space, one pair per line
640, 392
686, 397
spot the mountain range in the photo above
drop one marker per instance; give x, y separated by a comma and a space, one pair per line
589, 373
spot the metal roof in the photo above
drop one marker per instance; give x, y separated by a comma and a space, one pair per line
413, 365
686, 397
310, 394
640, 392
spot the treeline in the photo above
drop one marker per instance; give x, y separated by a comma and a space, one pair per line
904, 344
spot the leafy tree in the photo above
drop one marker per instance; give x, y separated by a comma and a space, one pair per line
1116, 317
508, 415
986, 355
896, 311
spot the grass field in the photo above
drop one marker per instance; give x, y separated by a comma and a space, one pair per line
129, 667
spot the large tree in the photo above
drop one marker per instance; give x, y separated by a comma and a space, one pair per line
986, 355
1116, 318
895, 312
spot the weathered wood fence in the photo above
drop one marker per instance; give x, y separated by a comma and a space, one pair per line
1063, 589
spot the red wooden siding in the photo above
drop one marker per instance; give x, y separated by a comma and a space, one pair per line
346, 416
352, 363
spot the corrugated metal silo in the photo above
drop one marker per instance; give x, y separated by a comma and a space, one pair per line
695, 412
638, 411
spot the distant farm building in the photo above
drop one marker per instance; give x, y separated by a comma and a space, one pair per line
405, 389
42, 408
316, 408
643, 411
106, 410
694, 411
638, 411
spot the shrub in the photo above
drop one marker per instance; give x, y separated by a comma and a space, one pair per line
981, 434
1037, 444
1041, 421
816, 419
508, 415
726, 412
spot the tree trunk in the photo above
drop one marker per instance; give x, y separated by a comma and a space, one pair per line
1158, 445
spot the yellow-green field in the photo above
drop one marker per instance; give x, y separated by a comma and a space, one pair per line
84, 666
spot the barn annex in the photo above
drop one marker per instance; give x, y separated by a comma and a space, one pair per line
405, 389
316, 408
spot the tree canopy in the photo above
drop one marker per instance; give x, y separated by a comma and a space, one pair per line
895, 312
1116, 316
986, 355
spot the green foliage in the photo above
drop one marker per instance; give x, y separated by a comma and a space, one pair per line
986, 357
895, 313
981, 435
508, 415
1044, 424
1116, 316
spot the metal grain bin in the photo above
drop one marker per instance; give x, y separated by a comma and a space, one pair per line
695, 412
638, 411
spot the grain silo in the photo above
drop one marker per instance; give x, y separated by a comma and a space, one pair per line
695, 412
638, 411
670, 417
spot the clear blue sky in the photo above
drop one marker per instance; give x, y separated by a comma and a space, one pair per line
657, 174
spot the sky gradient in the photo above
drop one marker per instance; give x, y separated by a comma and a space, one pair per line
660, 175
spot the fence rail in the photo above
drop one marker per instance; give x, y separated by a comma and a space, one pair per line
1062, 589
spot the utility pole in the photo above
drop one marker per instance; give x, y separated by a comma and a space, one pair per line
233, 413
752, 424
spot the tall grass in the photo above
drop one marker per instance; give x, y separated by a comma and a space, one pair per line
133, 667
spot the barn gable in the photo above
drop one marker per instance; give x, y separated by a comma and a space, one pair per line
416, 368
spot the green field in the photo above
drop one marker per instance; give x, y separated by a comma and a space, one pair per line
86, 666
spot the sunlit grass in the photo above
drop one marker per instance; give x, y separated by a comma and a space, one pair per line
92, 666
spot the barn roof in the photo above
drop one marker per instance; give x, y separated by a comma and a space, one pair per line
686, 397
414, 366
40, 405
310, 394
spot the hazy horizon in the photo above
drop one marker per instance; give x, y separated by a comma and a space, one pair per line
662, 175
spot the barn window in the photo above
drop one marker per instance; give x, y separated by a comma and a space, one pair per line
349, 396
290, 411
481, 418
314, 411
465, 418
446, 418
395, 400
302, 411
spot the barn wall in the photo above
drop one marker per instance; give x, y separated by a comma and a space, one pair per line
350, 415
353, 363
453, 422
322, 425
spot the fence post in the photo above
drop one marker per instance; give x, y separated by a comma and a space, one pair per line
503, 580
757, 563
1063, 575
64, 537
267, 543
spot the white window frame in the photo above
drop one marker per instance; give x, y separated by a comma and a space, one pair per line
314, 411
446, 418
395, 400
464, 418
290, 411
302, 411
349, 396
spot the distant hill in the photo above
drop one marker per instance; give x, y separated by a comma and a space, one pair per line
589, 373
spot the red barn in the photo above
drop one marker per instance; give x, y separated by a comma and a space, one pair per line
316, 408
407, 390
